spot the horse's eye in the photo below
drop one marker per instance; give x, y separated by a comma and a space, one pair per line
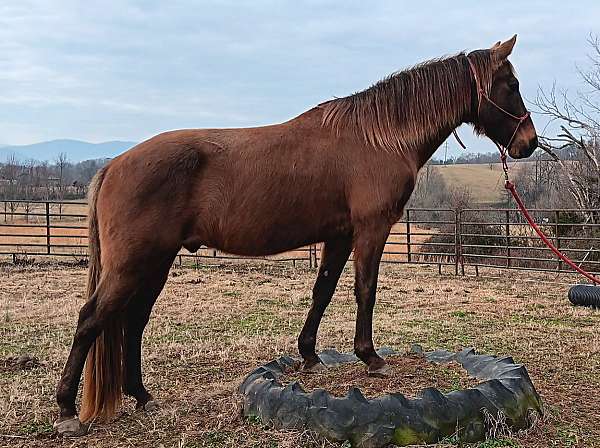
513, 85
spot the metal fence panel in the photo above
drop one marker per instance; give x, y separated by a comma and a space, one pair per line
498, 238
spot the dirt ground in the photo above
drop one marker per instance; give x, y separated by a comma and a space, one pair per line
409, 374
213, 325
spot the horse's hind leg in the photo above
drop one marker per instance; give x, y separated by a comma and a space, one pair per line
102, 308
119, 309
334, 255
88, 328
136, 318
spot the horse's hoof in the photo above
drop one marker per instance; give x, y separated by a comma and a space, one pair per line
315, 368
70, 427
151, 406
379, 372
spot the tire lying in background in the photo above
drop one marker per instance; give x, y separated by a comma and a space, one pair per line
585, 295
506, 395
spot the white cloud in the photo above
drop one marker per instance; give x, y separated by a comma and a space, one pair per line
128, 69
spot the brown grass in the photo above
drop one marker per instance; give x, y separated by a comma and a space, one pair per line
485, 185
213, 325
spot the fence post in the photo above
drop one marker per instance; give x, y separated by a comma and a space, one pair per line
507, 230
48, 227
556, 232
461, 258
457, 248
408, 254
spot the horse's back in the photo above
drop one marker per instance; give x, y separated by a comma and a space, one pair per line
251, 191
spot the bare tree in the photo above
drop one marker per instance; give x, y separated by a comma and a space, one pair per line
61, 164
431, 189
10, 173
36, 180
578, 117
27, 184
540, 183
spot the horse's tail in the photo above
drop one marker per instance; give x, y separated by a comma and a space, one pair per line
103, 377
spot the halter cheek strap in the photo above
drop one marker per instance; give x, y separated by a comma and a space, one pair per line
483, 95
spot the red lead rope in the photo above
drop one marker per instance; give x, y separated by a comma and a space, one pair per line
482, 95
511, 187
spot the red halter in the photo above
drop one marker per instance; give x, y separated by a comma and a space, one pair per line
481, 96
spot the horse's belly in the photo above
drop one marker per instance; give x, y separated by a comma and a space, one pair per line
268, 234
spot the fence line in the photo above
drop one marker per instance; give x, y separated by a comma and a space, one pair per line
496, 238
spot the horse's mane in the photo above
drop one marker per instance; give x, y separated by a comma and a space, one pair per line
403, 110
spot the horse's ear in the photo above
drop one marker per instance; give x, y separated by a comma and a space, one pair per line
502, 50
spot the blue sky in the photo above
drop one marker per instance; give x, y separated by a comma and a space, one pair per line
104, 70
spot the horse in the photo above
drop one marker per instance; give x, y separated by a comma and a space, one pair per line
338, 174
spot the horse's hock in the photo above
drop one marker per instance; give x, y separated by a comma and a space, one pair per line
506, 394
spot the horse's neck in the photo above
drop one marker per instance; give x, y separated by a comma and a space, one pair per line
430, 146
440, 133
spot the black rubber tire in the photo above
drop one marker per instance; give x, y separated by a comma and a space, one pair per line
506, 394
585, 295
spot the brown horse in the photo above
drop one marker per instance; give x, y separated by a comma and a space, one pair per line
339, 173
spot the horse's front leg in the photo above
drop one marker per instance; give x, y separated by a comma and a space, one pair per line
334, 255
369, 243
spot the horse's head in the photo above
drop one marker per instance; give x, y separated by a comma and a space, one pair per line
500, 112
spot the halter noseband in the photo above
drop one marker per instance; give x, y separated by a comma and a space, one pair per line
482, 95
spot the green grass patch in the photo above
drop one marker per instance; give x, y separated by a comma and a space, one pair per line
36, 428
460, 314
497, 443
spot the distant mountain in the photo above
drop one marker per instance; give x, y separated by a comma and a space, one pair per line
76, 150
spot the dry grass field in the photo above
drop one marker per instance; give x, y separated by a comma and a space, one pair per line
485, 182
485, 185
213, 325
